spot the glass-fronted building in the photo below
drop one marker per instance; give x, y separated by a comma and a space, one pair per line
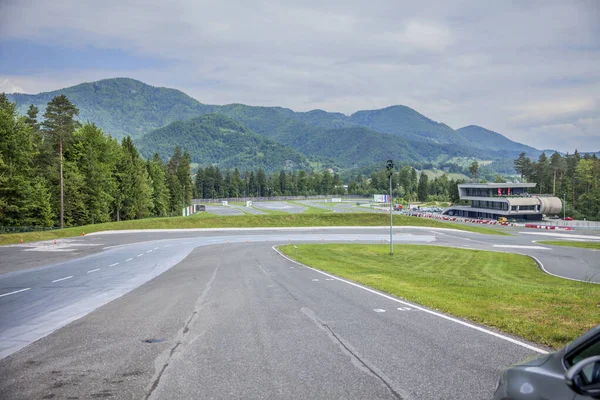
511, 200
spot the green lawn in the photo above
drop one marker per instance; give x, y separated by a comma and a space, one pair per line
583, 245
505, 291
206, 220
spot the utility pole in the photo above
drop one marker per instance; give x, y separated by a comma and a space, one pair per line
564, 206
390, 169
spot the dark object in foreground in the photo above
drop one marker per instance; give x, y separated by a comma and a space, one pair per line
570, 373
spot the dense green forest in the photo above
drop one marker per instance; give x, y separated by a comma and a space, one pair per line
102, 179
219, 140
572, 177
126, 107
407, 184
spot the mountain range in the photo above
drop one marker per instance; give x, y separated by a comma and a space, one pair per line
243, 136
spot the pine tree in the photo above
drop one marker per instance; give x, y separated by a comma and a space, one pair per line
59, 123
160, 193
423, 187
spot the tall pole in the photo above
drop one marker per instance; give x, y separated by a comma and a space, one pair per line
564, 206
62, 186
390, 168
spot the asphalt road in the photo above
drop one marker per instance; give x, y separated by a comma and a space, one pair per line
234, 319
278, 206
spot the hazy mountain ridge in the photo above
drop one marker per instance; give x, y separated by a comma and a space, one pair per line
123, 106
486, 139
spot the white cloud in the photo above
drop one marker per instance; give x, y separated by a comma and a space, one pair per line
7, 86
499, 65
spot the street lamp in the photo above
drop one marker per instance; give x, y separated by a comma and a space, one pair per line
390, 170
564, 206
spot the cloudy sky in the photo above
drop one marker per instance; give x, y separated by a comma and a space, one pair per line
527, 69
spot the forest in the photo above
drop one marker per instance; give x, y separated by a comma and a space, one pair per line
100, 178
58, 172
572, 177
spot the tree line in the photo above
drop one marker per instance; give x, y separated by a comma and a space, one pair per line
407, 184
572, 177
59, 172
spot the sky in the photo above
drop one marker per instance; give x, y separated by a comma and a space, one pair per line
527, 69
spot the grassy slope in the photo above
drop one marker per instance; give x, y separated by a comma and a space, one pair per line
205, 220
501, 290
583, 245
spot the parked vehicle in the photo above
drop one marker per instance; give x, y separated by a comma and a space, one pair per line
570, 373
567, 219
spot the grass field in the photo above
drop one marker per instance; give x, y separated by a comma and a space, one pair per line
583, 245
205, 220
504, 291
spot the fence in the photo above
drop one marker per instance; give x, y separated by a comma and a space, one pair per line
20, 229
282, 198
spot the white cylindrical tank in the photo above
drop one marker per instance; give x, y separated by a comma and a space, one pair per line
550, 205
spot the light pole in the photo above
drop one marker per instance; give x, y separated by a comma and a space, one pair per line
390, 169
564, 206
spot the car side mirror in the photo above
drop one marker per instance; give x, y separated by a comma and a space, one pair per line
574, 378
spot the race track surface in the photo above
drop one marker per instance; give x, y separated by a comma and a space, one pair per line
221, 314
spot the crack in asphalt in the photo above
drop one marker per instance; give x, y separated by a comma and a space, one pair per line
357, 360
166, 356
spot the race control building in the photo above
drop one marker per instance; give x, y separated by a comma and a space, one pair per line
510, 200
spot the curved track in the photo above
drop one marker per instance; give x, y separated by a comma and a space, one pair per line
234, 319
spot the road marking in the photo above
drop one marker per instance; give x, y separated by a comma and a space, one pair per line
93, 270
149, 251
329, 279
515, 246
139, 255
404, 309
558, 276
167, 245
315, 280
379, 310
16, 291
62, 279
112, 265
156, 248
129, 259
455, 320
561, 235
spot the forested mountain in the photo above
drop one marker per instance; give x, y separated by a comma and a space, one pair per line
215, 139
121, 106
485, 139
407, 123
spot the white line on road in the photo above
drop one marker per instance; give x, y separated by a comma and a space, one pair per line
129, 259
156, 248
149, 251
16, 291
167, 245
379, 310
62, 279
112, 265
478, 328
515, 246
558, 276
93, 270
561, 235
139, 255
